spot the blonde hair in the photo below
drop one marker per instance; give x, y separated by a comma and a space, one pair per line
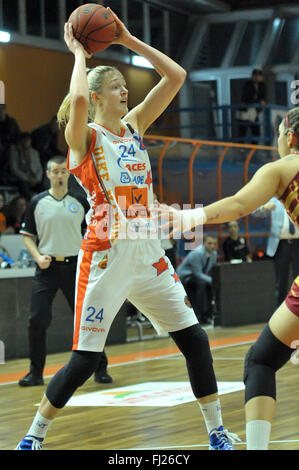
96, 79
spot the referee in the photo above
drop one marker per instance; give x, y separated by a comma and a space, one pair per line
53, 230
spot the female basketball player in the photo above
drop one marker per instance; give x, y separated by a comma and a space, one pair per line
117, 259
279, 338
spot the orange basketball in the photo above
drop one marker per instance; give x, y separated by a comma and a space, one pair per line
93, 26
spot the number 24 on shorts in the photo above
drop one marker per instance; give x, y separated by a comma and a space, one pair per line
95, 316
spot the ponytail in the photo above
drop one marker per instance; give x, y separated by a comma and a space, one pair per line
63, 114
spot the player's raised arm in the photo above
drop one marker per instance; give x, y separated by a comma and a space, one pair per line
172, 79
77, 131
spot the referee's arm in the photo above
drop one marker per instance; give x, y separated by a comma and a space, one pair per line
29, 232
43, 261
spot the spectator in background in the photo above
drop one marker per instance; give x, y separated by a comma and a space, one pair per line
4, 229
234, 246
14, 213
45, 141
254, 93
9, 131
25, 166
3, 224
282, 245
194, 275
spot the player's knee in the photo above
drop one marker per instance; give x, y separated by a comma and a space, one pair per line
262, 361
74, 374
193, 342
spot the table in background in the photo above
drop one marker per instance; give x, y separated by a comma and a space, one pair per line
245, 293
15, 296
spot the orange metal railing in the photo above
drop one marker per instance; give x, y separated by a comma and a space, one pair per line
197, 144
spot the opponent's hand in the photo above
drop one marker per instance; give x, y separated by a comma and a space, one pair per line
168, 219
44, 261
72, 43
122, 33
172, 221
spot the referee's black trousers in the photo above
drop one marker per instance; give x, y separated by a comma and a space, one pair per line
45, 285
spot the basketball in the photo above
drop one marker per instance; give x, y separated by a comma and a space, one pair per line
93, 26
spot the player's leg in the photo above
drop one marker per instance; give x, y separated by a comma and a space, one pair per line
193, 342
59, 390
159, 294
271, 351
96, 308
68, 286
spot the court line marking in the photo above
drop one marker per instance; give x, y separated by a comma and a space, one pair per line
155, 354
217, 358
280, 441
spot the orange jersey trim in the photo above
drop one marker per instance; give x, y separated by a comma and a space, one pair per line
123, 130
86, 172
90, 150
84, 273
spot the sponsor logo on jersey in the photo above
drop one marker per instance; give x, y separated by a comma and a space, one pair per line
125, 178
124, 161
134, 167
101, 164
93, 329
132, 201
103, 263
123, 141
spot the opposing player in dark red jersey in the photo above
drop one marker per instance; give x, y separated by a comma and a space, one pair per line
278, 339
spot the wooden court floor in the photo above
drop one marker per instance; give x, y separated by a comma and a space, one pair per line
159, 425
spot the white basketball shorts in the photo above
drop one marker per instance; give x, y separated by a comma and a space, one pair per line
135, 270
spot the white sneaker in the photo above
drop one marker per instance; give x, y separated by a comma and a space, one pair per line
221, 439
30, 443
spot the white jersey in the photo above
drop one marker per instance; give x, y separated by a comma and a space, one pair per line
116, 176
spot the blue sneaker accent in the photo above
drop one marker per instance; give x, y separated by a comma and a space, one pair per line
30, 443
221, 439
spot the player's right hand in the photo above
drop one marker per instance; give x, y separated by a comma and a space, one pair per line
72, 43
44, 261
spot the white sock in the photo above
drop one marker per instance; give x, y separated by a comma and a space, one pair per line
39, 426
258, 434
212, 414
